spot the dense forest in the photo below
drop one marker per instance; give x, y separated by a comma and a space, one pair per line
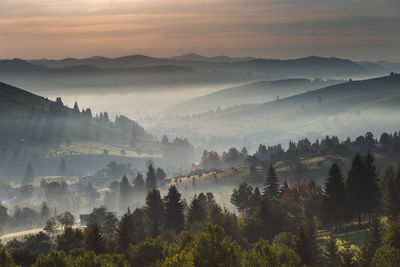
277, 224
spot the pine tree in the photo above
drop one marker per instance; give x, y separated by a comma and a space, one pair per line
94, 238
197, 212
390, 190
356, 188
125, 230
271, 187
334, 195
155, 210
124, 193
138, 183
241, 197
174, 217
371, 185
151, 178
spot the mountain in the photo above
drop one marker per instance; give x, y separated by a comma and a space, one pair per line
308, 67
83, 75
258, 92
196, 57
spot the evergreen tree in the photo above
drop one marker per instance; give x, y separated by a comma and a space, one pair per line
76, 108
306, 243
151, 178
334, 196
124, 193
242, 197
371, 185
44, 212
271, 187
160, 174
174, 217
155, 210
356, 188
197, 212
125, 231
94, 238
138, 183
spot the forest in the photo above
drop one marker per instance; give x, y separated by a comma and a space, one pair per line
351, 220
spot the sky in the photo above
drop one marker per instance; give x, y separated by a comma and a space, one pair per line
355, 29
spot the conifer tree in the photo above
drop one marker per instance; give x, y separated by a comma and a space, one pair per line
138, 183
197, 211
334, 195
124, 192
155, 210
174, 217
151, 178
271, 187
94, 238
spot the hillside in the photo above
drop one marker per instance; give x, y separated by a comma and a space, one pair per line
343, 109
258, 92
40, 128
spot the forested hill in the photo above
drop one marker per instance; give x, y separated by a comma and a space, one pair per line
35, 121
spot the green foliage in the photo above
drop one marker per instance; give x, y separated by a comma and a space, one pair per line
148, 253
174, 217
334, 197
212, 248
5, 258
331, 256
151, 180
271, 186
389, 253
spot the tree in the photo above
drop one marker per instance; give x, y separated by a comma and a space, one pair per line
334, 196
306, 243
160, 174
138, 183
66, 219
242, 197
348, 255
6, 259
125, 231
76, 108
50, 226
94, 238
124, 192
109, 224
62, 167
155, 210
151, 178
271, 187
174, 217
388, 254
28, 174
197, 212
213, 248
44, 212
331, 255
70, 239
390, 190
362, 186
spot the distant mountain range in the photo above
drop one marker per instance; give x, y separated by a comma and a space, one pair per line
139, 72
95, 73
308, 67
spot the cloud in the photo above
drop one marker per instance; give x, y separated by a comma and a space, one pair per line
63, 28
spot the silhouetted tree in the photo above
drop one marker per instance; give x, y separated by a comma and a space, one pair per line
271, 187
174, 217
151, 178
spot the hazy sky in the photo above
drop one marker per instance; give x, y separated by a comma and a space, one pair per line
357, 29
